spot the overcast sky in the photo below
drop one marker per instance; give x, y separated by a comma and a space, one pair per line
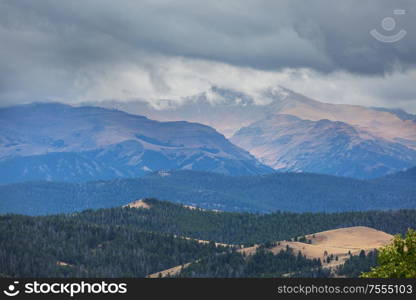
92, 50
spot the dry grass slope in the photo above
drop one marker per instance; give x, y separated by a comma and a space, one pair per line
138, 204
338, 242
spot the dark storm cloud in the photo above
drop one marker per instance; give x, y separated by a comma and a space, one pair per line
52, 44
324, 35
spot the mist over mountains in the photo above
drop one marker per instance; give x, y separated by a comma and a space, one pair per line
279, 130
335, 139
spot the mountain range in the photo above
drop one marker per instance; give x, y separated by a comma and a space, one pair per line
290, 132
277, 130
58, 142
288, 143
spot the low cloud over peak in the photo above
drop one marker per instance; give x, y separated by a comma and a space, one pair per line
126, 49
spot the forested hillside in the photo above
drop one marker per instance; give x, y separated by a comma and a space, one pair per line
69, 247
244, 228
60, 247
286, 263
262, 263
137, 242
357, 264
297, 192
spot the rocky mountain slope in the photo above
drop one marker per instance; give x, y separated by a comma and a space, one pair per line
64, 143
288, 143
337, 139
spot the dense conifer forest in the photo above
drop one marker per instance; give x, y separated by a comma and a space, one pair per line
132, 242
356, 264
262, 263
243, 228
57, 247
295, 192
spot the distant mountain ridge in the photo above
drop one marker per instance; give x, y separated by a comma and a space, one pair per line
288, 143
282, 130
59, 142
379, 141
295, 192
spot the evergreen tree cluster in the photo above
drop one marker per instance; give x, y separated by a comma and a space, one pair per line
244, 228
356, 264
69, 247
295, 192
262, 263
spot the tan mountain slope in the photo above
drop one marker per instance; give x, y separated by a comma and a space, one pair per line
168, 272
338, 243
138, 204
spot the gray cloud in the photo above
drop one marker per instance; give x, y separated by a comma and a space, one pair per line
262, 34
60, 49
